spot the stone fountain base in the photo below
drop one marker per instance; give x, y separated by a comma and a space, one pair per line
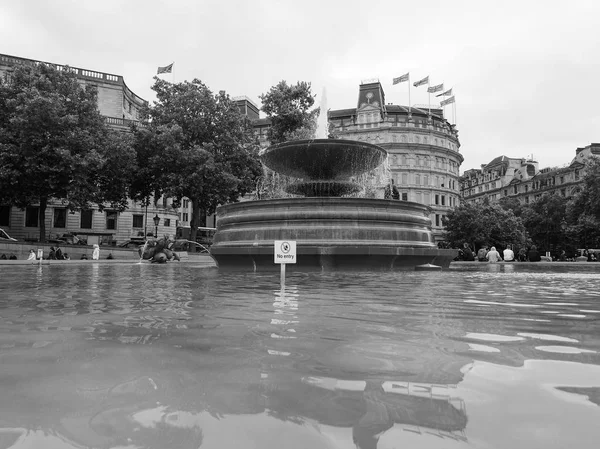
330, 233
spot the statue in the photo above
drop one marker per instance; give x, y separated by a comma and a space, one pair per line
159, 250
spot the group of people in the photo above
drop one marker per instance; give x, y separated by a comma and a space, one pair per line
57, 254
493, 256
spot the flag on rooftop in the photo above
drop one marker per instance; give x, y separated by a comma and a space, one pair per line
448, 101
400, 79
165, 69
437, 88
421, 82
445, 93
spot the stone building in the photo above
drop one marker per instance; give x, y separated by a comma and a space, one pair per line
120, 107
521, 178
423, 147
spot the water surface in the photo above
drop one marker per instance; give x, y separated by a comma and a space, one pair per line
175, 356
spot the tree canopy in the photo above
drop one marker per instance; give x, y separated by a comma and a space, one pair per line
288, 107
54, 144
483, 224
197, 145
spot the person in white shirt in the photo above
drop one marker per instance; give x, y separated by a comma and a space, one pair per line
96, 252
32, 255
509, 255
493, 256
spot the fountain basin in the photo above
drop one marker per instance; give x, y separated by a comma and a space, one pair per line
323, 159
330, 233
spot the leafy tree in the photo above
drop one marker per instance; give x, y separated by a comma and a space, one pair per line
54, 144
545, 221
483, 224
583, 211
197, 145
288, 108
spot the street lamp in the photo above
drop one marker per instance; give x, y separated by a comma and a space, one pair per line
156, 222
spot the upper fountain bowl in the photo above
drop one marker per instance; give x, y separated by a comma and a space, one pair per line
323, 159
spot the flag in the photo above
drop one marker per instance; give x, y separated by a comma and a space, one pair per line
437, 88
448, 101
448, 92
400, 79
421, 82
165, 69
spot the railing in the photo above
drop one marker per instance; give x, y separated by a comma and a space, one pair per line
123, 121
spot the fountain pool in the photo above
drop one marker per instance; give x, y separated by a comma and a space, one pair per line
156, 356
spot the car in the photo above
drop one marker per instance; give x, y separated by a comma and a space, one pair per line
5, 236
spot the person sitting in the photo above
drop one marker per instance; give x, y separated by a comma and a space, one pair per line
509, 255
467, 253
52, 254
13, 257
3, 257
32, 255
481, 254
84, 257
58, 253
493, 256
66, 256
533, 255
522, 255
110, 256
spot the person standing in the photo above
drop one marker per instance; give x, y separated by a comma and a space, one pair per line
96, 252
493, 256
509, 255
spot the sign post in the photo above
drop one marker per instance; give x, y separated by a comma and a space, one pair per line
285, 252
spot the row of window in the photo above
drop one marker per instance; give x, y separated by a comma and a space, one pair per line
420, 160
59, 218
424, 180
425, 198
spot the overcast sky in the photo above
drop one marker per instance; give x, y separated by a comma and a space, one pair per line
525, 73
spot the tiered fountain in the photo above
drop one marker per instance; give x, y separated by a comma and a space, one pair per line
332, 232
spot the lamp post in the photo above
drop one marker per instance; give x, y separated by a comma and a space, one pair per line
156, 222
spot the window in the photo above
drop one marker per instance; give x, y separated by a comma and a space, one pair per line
164, 201
437, 219
86, 219
111, 219
425, 180
418, 179
437, 199
138, 221
185, 217
404, 196
505, 192
186, 203
31, 217
526, 188
167, 222
4, 215
443, 200
418, 197
404, 178
60, 218
427, 198
515, 191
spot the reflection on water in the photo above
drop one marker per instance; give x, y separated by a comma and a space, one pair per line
149, 356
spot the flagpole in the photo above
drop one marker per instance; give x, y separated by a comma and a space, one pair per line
429, 96
409, 107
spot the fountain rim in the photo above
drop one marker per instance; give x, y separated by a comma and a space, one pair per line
307, 143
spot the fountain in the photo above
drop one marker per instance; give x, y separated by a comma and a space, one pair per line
331, 231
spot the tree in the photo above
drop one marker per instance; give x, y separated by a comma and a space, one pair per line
583, 211
288, 108
483, 224
545, 221
54, 144
198, 146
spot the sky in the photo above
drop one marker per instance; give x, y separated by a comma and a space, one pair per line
524, 73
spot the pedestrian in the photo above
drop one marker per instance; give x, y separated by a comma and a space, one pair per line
58, 253
52, 254
522, 255
493, 256
31, 255
481, 254
13, 257
96, 252
509, 255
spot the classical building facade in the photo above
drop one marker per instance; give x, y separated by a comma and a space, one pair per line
522, 179
120, 107
423, 147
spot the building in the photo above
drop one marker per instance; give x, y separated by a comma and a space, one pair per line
423, 148
522, 179
120, 107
